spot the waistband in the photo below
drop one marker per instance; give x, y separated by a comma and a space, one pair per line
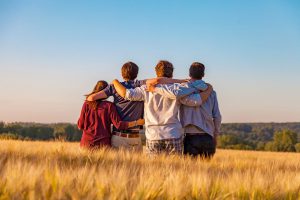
135, 130
126, 135
200, 133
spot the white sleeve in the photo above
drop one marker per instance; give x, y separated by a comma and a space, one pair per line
136, 94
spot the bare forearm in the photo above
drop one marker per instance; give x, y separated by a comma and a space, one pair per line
138, 122
96, 96
121, 90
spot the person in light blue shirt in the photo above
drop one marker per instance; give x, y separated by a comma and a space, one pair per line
201, 123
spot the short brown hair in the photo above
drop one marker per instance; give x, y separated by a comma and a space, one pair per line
164, 69
197, 70
130, 71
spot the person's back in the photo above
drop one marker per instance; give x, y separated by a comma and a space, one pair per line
128, 110
96, 121
201, 124
161, 116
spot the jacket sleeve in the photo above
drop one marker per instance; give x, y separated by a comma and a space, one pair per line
136, 94
174, 91
116, 119
80, 123
217, 118
192, 100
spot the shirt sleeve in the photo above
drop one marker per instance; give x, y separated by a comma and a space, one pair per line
216, 115
192, 100
80, 123
136, 94
199, 84
139, 83
116, 119
109, 90
174, 91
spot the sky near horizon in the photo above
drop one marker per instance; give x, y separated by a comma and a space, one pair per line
53, 52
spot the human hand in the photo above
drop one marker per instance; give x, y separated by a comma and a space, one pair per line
215, 140
150, 88
209, 86
140, 122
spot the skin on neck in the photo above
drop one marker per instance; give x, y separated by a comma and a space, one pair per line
126, 80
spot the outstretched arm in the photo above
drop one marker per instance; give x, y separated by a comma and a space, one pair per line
97, 96
121, 90
164, 80
136, 94
174, 91
196, 99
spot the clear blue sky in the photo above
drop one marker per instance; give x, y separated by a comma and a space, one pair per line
53, 52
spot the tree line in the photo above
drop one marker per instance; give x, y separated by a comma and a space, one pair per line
37, 131
244, 136
261, 136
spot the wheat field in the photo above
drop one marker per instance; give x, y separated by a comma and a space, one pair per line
59, 170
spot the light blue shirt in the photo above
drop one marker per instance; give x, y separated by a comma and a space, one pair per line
205, 117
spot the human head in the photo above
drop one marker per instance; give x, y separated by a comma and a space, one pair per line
129, 71
98, 87
197, 70
164, 69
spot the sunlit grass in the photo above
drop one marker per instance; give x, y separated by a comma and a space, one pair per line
55, 170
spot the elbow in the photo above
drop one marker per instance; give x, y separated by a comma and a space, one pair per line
90, 98
123, 94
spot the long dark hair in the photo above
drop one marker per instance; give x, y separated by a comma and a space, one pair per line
98, 87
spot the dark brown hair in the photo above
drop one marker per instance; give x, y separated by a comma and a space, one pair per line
197, 70
164, 69
130, 71
98, 87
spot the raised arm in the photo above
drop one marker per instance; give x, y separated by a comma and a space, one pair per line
136, 94
164, 80
121, 90
196, 99
97, 96
174, 91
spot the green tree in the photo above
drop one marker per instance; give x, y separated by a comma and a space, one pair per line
297, 147
283, 141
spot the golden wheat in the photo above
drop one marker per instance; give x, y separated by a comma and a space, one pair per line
58, 170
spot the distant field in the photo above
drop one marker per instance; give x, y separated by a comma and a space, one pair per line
55, 170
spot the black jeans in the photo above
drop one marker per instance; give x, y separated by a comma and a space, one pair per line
199, 145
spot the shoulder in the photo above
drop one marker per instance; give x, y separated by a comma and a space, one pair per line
138, 83
109, 90
142, 87
213, 94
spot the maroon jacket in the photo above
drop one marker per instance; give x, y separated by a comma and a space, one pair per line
96, 124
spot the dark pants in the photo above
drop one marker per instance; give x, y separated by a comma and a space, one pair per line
199, 145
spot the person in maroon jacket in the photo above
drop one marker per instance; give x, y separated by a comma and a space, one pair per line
96, 118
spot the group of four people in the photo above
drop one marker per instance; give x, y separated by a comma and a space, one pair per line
179, 115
